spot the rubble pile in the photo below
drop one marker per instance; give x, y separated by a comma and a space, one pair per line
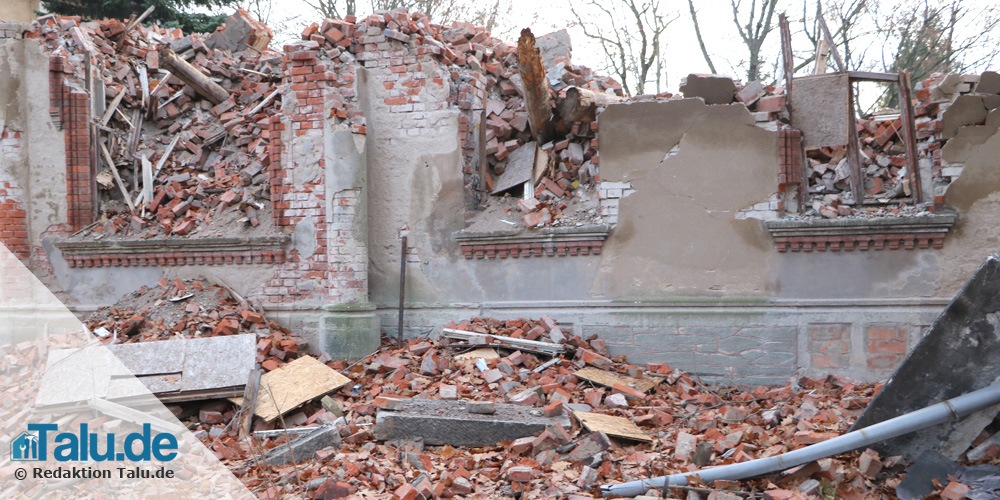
205, 151
682, 424
188, 309
482, 63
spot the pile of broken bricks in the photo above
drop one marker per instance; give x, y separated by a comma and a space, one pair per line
184, 133
191, 309
525, 408
556, 162
883, 152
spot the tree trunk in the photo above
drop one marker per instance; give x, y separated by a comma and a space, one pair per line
580, 105
190, 75
536, 87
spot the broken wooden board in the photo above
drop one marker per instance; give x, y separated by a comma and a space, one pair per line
613, 426
510, 342
295, 384
520, 165
610, 379
172, 370
482, 352
959, 354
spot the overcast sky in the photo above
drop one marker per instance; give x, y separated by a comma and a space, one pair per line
682, 54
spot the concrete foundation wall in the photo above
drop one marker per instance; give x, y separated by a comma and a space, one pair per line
681, 279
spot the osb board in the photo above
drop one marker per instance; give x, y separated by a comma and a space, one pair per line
613, 426
609, 379
482, 352
294, 384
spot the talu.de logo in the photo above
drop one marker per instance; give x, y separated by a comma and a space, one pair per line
41, 441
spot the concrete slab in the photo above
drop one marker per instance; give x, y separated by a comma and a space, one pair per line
959, 354
969, 109
304, 447
989, 83
821, 109
449, 422
714, 89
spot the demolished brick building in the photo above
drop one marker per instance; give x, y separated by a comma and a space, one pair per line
678, 229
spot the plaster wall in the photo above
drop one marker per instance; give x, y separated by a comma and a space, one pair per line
40, 169
18, 10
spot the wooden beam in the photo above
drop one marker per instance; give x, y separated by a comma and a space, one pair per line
190, 75
480, 338
910, 136
249, 402
869, 76
788, 63
118, 178
536, 87
822, 54
113, 107
833, 46
854, 150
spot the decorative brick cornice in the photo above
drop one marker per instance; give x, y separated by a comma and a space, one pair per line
545, 242
201, 251
923, 231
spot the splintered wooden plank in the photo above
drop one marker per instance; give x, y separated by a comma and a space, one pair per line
482, 352
609, 379
613, 426
295, 384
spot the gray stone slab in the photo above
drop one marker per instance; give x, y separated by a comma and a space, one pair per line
449, 422
960, 354
304, 447
714, 89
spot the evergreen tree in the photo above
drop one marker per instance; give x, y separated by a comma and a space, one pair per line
168, 13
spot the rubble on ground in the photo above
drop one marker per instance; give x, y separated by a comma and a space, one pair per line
193, 308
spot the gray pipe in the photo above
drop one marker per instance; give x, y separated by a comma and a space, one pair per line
939, 413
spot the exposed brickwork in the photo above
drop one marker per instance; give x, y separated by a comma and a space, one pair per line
849, 243
176, 258
525, 250
609, 195
885, 346
13, 220
81, 201
830, 345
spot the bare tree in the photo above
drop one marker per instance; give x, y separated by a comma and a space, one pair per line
753, 26
335, 9
846, 19
701, 41
629, 34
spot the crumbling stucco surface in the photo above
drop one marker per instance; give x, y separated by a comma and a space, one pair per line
821, 109
415, 179
24, 107
976, 197
677, 234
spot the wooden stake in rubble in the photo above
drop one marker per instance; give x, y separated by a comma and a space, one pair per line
190, 75
403, 233
536, 87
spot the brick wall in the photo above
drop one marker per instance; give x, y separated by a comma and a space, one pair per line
13, 218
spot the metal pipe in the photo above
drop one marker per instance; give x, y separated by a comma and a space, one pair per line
952, 409
403, 233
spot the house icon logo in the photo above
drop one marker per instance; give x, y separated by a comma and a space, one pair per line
24, 448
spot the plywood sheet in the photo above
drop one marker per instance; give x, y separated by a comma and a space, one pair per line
483, 352
520, 164
294, 384
609, 379
613, 426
